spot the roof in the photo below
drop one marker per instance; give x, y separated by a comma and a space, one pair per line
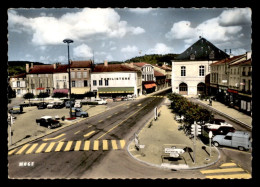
140, 64
112, 68
81, 64
22, 75
61, 69
42, 69
158, 74
202, 50
244, 62
228, 60
164, 67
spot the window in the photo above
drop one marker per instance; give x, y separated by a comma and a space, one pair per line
228, 138
85, 83
73, 84
211, 55
183, 71
85, 74
201, 70
79, 75
72, 75
57, 85
64, 85
192, 57
18, 83
94, 82
106, 82
100, 82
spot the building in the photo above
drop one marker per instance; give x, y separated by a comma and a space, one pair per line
160, 80
111, 80
80, 76
18, 84
167, 71
190, 68
40, 78
60, 79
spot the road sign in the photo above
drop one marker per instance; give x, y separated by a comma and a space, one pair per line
210, 134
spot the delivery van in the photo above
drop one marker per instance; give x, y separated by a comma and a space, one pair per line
237, 139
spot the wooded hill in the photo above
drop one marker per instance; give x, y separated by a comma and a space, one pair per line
18, 67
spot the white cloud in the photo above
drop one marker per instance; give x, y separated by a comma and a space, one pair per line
140, 10
82, 51
235, 16
77, 26
113, 48
181, 30
160, 48
239, 51
109, 57
129, 49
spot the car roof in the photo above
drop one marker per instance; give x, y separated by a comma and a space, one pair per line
46, 117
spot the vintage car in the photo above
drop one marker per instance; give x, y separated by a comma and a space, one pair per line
42, 105
78, 112
48, 121
216, 123
16, 110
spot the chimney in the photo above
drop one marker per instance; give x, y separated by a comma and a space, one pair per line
105, 63
248, 55
131, 64
54, 65
27, 68
32, 65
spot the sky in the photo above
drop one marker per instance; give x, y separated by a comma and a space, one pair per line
118, 34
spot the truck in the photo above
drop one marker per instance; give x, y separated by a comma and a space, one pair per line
237, 139
78, 112
48, 121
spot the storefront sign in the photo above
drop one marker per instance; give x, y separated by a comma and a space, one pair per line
232, 91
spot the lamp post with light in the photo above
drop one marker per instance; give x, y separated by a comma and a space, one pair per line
68, 41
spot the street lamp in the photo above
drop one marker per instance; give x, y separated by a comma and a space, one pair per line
68, 41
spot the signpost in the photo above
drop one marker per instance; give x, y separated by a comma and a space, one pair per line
155, 113
195, 130
210, 136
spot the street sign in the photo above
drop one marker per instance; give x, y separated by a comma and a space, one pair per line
155, 113
210, 134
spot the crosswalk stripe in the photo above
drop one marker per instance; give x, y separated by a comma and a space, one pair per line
77, 147
31, 148
105, 145
122, 143
228, 164
49, 148
88, 134
22, 149
40, 148
114, 145
221, 170
95, 146
11, 152
68, 146
86, 146
231, 176
58, 148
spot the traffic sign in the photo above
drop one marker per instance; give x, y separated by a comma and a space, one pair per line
210, 134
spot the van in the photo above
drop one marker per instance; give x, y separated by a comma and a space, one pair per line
237, 139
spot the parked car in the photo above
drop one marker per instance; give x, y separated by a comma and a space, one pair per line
58, 105
50, 105
42, 105
101, 101
237, 139
77, 104
117, 99
221, 130
16, 110
48, 121
78, 112
69, 103
216, 123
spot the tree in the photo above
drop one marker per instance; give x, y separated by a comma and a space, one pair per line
59, 95
43, 95
28, 96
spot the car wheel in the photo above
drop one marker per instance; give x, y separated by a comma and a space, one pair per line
38, 124
241, 148
216, 144
82, 116
49, 126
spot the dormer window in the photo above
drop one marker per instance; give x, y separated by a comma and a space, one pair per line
192, 57
211, 55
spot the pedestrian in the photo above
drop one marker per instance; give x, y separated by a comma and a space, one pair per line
210, 102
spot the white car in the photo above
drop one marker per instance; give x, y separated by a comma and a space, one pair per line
50, 105
77, 104
101, 101
216, 126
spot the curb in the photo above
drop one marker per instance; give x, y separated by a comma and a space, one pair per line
172, 167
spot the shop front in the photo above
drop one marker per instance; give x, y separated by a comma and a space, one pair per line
245, 103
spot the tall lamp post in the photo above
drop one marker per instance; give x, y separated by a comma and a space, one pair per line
68, 41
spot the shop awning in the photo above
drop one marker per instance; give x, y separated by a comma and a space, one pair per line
61, 91
148, 86
116, 90
40, 88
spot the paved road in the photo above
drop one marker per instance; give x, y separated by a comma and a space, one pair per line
81, 146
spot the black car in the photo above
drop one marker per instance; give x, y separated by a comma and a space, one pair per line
58, 105
48, 121
223, 130
42, 105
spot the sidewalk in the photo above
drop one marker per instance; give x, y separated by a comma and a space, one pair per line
231, 112
163, 133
